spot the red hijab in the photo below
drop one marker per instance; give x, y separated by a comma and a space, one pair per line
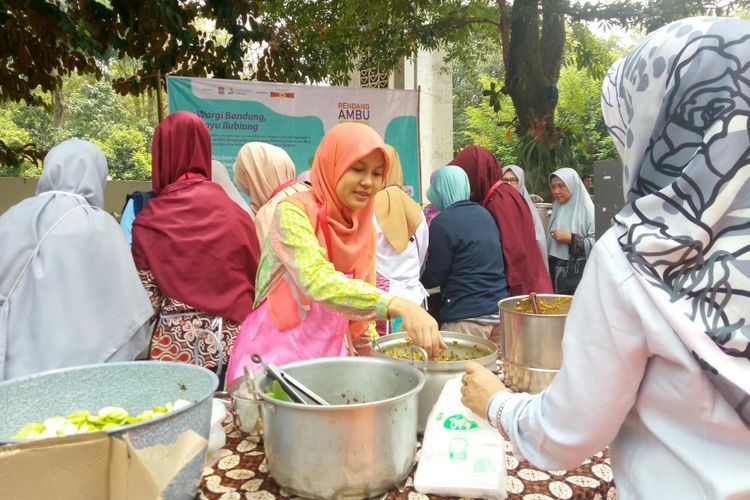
481, 167
201, 246
525, 268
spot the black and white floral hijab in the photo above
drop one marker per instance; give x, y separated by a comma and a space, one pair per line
678, 109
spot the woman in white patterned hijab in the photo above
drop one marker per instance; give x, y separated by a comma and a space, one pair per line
656, 362
686, 153
69, 291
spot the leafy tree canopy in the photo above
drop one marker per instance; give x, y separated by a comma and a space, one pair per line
278, 40
309, 41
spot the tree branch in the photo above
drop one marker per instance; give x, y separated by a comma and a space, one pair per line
478, 20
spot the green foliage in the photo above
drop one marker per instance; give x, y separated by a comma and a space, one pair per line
14, 139
579, 113
652, 14
470, 78
584, 136
588, 52
92, 111
126, 154
494, 131
44, 43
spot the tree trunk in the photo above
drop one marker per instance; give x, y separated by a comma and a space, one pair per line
58, 107
535, 58
137, 100
151, 108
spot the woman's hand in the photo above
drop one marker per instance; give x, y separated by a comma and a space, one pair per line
421, 327
479, 385
561, 236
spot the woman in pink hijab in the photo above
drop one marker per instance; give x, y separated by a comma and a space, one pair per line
266, 173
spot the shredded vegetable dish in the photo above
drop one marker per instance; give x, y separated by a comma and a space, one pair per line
556, 305
109, 417
456, 351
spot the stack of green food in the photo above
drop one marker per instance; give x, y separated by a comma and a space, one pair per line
109, 417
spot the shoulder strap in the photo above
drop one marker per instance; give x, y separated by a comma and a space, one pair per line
490, 191
141, 199
316, 213
322, 223
36, 250
281, 187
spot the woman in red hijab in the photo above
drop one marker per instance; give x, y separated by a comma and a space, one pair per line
525, 268
196, 250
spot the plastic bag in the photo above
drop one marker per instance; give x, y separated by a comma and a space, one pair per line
462, 454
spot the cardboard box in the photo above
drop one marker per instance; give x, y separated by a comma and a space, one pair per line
92, 466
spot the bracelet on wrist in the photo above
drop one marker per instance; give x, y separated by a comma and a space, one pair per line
499, 413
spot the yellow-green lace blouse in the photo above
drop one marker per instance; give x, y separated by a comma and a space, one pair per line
291, 246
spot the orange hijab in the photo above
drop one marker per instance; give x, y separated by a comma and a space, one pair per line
352, 234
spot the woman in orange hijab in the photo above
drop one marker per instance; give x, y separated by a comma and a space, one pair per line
320, 264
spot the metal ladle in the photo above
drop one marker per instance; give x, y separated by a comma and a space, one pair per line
293, 387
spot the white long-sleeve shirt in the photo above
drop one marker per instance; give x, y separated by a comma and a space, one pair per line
628, 380
403, 269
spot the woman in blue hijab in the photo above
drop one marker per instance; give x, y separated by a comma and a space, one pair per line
464, 258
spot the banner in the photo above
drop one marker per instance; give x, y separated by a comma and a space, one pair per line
295, 117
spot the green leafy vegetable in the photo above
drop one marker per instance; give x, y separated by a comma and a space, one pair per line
277, 392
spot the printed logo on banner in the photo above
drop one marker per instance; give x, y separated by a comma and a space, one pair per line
287, 95
354, 112
221, 90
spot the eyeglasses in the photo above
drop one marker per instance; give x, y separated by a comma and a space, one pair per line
510, 180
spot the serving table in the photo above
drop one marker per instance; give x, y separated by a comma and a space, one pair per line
239, 471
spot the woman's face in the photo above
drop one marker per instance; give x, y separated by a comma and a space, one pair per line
510, 178
361, 181
560, 191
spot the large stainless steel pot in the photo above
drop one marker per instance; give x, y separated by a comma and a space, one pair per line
466, 347
531, 344
361, 446
136, 386
545, 213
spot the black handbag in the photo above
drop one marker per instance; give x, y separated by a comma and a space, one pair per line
567, 275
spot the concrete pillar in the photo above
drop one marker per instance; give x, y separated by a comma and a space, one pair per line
428, 72
433, 78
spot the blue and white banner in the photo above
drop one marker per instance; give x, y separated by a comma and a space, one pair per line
295, 117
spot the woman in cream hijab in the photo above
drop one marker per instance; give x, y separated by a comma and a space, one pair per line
266, 173
69, 291
403, 236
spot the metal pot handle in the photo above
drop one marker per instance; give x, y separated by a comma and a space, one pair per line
251, 383
412, 359
225, 398
201, 333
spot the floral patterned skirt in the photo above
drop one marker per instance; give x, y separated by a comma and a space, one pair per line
175, 337
180, 326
